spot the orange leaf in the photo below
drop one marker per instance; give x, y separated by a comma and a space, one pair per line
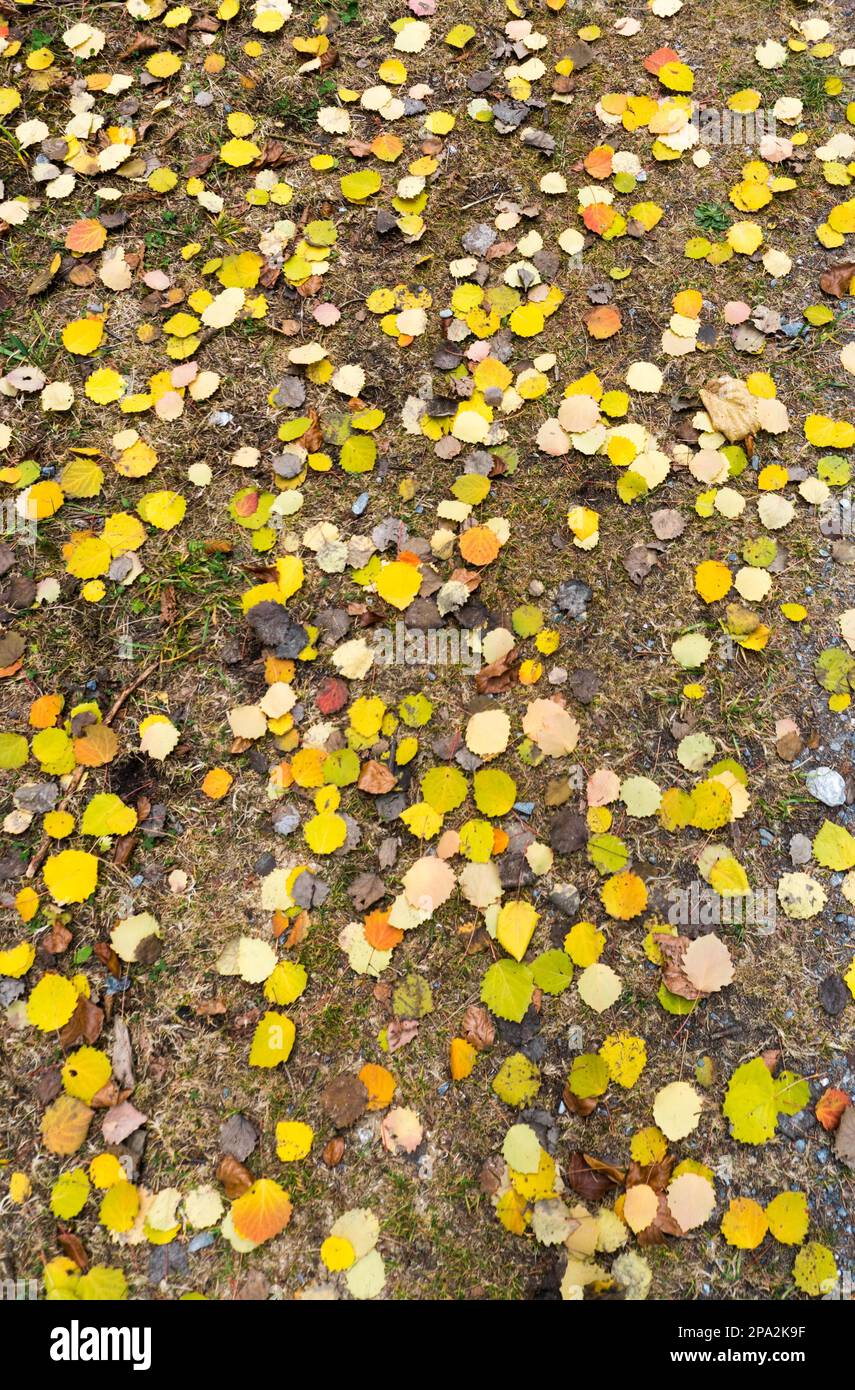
604, 321
688, 303
380, 1085
263, 1211
598, 217
656, 60
44, 712
479, 545
387, 147
98, 745
376, 778
598, 163
85, 236
831, 1106
379, 934
217, 783
461, 1058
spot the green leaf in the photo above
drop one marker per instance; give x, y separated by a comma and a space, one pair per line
674, 1003
608, 853
507, 988
412, 998
444, 788
517, 1080
341, 768
792, 1093
589, 1076
754, 1099
552, 971
751, 1104
834, 847
14, 751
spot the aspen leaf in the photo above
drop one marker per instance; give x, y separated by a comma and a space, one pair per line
707, 963
203, 1207
65, 1125
787, 1215
691, 1200
51, 1003
398, 583
517, 1081
624, 896
85, 1072
71, 876
119, 1207
600, 987
272, 1041
507, 989
293, 1140
515, 927
552, 971
552, 728
677, 1109
462, 1058
744, 1224
479, 545
625, 1057
69, 1194
815, 1270
262, 1212
106, 814
834, 847
589, 1076
750, 1103
83, 336
640, 1207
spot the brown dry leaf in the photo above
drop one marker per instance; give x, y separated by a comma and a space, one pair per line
400, 1032
238, 1136
499, 675
591, 1177
57, 940
376, 778
674, 977
730, 406
236, 1179
344, 1099
844, 1143
333, 1152
72, 1246
86, 1022
122, 1121
478, 1027
837, 279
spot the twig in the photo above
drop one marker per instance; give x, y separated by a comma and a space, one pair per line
497, 192
42, 851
